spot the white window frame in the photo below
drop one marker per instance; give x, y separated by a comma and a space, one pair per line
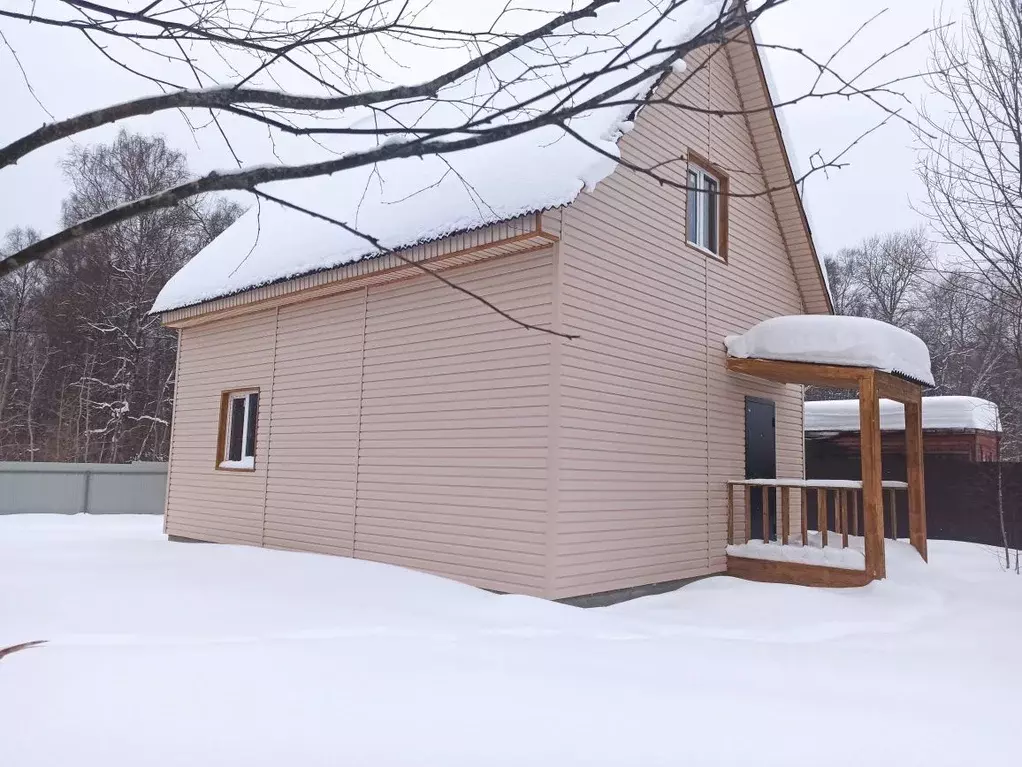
247, 461
700, 238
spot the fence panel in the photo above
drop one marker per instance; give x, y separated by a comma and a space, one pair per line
961, 497
74, 488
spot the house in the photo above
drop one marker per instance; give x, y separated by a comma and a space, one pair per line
333, 398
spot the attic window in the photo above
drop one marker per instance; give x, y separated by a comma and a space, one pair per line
706, 219
239, 411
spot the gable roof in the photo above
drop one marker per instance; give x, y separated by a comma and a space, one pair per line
408, 201
768, 135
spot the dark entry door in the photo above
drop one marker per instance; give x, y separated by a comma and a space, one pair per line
760, 457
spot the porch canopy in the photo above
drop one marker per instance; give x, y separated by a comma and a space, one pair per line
873, 358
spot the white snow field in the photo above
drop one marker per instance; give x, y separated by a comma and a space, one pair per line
172, 655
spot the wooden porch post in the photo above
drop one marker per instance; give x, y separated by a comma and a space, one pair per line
872, 486
916, 488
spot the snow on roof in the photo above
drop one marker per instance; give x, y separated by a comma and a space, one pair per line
833, 340
411, 200
938, 413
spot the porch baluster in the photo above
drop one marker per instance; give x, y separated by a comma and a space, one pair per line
805, 517
748, 513
730, 514
785, 514
844, 518
766, 514
821, 514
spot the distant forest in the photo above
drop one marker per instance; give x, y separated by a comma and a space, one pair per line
85, 373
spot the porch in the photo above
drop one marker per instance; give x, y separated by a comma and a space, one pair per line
825, 532
813, 530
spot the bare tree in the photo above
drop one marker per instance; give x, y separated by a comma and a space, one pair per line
17, 292
882, 277
845, 292
963, 327
966, 322
960, 314
973, 142
972, 159
971, 165
240, 61
86, 373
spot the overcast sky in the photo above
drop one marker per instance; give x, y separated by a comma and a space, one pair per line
875, 193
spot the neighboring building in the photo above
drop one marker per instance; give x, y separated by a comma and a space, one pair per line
336, 401
968, 428
966, 484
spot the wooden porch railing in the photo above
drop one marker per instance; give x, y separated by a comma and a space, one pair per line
836, 506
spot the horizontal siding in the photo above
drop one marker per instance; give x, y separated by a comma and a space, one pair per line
651, 424
758, 282
454, 425
310, 492
203, 503
403, 423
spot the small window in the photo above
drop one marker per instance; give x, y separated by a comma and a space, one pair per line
707, 209
239, 411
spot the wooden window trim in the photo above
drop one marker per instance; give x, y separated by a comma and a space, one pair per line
221, 438
723, 206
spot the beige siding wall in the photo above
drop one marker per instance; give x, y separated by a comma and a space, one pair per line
403, 423
313, 437
651, 424
203, 503
452, 460
758, 282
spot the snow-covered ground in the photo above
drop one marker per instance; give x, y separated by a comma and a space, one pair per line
174, 655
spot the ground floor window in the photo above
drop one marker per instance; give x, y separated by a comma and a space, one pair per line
239, 412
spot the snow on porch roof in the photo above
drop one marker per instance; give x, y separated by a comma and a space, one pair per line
408, 201
833, 340
938, 413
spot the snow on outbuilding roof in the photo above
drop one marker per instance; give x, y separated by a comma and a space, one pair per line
406, 201
835, 340
938, 413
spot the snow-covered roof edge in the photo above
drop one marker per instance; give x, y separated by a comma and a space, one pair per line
402, 250
947, 412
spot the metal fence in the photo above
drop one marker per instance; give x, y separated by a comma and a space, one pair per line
76, 488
